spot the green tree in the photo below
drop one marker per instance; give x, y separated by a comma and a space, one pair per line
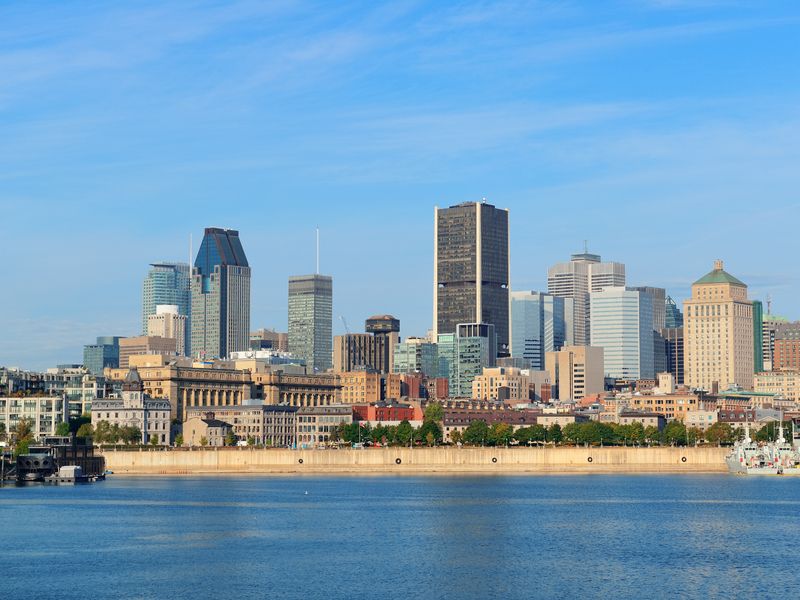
102, 432
500, 434
114, 434
23, 430
76, 423
719, 433
154, 440
434, 412
637, 432
179, 440
22, 448
455, 437
554, 433
130, 434
203, 441
538, 433
85, 430
404, 432
522, 435
380, 433
694, 435
429, 428
335, 436
2, 432
251, 441
430, 439
651, 434
674, 433
230, 439
572, 431
61, 429
476, 433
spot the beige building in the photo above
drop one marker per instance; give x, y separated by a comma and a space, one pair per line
212, 429
267, 425
487, 386
167, 323
143, 345
786, 383
575, 372
718, 321
296, 390
702, 419
672, 406
358, 387
363, 349
264, 339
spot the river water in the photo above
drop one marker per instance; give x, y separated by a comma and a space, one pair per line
581, 536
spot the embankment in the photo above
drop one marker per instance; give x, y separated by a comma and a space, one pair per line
420, 460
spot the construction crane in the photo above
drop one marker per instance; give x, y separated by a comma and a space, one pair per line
355, 361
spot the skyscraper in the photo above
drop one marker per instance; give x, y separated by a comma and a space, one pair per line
718, 341
622, 324
673, 315
471, 269
166, 284
575, 279
220, 290
540, 323
311, 319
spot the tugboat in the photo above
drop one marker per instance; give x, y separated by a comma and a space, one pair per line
772, 458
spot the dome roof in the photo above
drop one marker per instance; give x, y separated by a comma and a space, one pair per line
133, 381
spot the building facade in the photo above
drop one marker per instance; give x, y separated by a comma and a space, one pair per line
673, 338
166, 284
673, 315
621, 322
576, 279
266, 425
169, 323
105, 353
501, 383
316, 424
145, 345
311, 320
719, 332
416, 355
540, 323
462, 359
785, 383
575, 372
374, 349
220, 296
471, 269
269, 339
787, 342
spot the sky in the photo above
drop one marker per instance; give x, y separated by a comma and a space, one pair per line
664, 134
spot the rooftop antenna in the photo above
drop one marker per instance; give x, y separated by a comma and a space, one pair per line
586, 246
191, 250
769, 303
317, 249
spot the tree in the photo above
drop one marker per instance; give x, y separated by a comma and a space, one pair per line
85, 430
455, 437
62, 428
651, 434
434, 412
203, 441
102, 432
114, 434
674, 433
719, 433
22, 448
554, 433
130, 434
637, 432
251, 441
154, 440
23, 430
476, 433
230, 439
179, 440
404, 432
76, 423
694, 435
430, 439
335, 436
500, 434
572, 431
429, 428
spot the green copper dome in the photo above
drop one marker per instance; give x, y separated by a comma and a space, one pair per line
719, 276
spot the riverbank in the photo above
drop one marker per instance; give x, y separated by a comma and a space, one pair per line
419, 460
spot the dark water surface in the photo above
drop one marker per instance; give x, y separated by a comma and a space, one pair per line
594, 536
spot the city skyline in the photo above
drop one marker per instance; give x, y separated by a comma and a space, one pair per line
660, 133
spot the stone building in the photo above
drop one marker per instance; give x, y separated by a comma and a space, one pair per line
135, 408
213, 430
267, 425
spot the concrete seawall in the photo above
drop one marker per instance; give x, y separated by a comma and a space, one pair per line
421, 460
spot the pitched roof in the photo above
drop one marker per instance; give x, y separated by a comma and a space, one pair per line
718, 275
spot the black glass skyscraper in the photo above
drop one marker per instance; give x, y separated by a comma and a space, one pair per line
471, 271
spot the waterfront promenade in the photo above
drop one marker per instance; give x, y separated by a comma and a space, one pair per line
420, 460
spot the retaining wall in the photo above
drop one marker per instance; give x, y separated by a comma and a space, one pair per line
421, 460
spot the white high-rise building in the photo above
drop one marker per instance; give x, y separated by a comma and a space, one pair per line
622, 324
576, 279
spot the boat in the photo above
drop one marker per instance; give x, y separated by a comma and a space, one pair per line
68, 475
765, 458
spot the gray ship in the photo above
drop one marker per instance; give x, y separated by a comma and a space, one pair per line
766, 458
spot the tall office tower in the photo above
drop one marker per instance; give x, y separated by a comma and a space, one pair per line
166, 284
659, 305
622, 324
385, 329
787, 340
105, 353
311, 319
673, 315
220, 292
769, 327
719, 332
674, 341
169, 323
758, 337
362, 350
462, 359
416, 355
540, 323
577, 278
471, 269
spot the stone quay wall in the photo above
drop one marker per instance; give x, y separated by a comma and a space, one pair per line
420, 460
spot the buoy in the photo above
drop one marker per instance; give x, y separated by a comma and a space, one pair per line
306, 493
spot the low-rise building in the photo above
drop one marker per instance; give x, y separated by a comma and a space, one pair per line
501, 383
388, 412
44, 412
459, 420
672, 406
647, 419
786, 382
213, 430
265, 424
135, 409
315, 424
561, 419
702, 419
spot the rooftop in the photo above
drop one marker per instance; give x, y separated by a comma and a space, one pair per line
718, 275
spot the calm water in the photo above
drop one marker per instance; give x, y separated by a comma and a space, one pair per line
609, 536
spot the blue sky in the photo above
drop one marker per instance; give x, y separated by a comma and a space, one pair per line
667, 133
